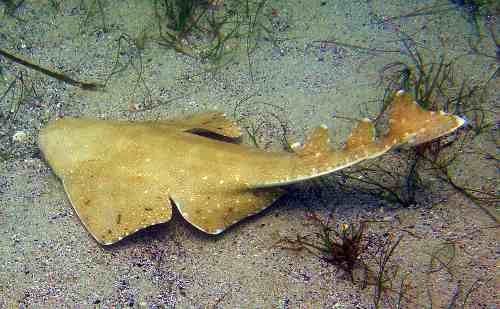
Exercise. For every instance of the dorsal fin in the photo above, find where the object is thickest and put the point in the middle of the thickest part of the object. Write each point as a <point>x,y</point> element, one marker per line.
<point>363,134</point>
<point>316,144</point>
<point>208,122</point>
<point>410,123</point>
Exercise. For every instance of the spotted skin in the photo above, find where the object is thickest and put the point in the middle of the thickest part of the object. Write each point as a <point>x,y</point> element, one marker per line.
<point>124,176</point>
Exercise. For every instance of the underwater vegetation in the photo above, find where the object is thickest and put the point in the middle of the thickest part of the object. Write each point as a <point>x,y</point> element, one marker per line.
<point>94,9</point>
<point>10,6</point>
<point>368,257</point>
<point>209,30</point>
<point>7,116</point>
<point>49,72</point>
<point>341,245</point>
<point>476,10</point>
<point>435,80</point>
<point>21,91</point>
<point>431,84</point>
<point>212,32</point>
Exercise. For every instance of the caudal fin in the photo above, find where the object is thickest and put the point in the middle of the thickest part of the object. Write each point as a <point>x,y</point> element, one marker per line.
<point>409,123</point>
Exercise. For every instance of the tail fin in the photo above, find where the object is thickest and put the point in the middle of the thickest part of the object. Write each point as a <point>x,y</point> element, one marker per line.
<point>410,123</point>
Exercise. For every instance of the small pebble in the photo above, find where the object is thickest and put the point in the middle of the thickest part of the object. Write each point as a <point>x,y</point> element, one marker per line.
<point>20,137</point>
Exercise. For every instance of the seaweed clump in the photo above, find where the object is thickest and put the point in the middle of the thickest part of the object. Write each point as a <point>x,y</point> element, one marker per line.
<point>341,245</point>
<point>435,85</point>
<point>365,258</point>
<point>209,30</point>
<point>370,259</point>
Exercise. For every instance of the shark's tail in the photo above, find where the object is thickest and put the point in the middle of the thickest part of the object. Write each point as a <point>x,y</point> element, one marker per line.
<point>408,124</point>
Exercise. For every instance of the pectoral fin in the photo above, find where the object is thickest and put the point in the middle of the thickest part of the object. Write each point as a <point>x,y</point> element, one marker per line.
<point>214,211</point>
<point>113,202</point>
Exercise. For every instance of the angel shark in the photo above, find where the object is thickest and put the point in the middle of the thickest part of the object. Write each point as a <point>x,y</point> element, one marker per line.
<point>123,176</point>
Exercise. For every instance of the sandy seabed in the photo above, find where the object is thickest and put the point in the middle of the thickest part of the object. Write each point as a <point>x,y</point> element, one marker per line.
<point>47,258</point>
